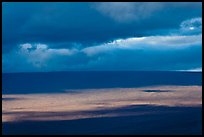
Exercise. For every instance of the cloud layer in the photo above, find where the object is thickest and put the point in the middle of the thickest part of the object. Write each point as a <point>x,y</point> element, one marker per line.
<point>87,23</point>
<point>108,36</point>
<point>147,43</point>
<point>126,11</point>
<point>136,11</point>
<point>168,52</point>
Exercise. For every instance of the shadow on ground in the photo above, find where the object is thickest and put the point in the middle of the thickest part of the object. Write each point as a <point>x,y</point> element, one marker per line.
<point>164,120</point>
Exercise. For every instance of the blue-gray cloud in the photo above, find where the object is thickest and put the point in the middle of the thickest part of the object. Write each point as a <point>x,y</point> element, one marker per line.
<point>191,26</point>
<point>60,37</point>
<point>58,22</point>
<point>168,52</point>
<point>137,11</point>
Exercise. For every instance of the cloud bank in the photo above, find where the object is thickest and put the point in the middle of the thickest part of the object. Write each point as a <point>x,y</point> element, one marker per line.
<point>168,52</point>
<point>87,23</point>
<point>109,36</point>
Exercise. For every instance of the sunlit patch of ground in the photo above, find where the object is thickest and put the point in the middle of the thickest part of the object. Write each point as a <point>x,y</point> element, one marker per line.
<point>75,105</point>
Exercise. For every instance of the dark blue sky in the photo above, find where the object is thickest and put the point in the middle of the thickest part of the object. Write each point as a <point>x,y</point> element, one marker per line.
<point>101,36</point>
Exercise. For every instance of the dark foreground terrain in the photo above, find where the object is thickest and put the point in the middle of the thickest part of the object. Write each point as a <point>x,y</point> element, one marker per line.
<point>161,120</point>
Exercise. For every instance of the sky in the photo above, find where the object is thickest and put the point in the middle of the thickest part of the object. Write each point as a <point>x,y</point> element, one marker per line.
<point>64,36</point>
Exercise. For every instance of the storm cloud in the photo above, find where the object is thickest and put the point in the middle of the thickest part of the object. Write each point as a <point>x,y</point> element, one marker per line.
<point>92,36</point>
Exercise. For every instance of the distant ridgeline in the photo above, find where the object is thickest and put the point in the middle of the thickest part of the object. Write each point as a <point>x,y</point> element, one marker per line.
<point>50,82</point>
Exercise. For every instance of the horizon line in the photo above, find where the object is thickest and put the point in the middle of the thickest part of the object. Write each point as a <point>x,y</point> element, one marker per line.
<point>199,71</point>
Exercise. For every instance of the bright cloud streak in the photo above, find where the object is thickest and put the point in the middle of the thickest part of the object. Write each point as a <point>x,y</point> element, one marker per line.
<point>193,70</point>
<point>152,42</point>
